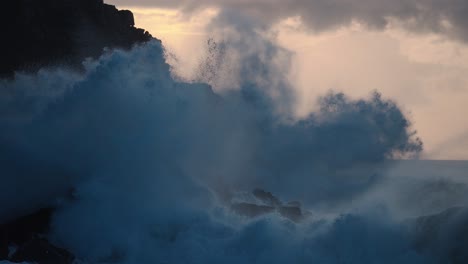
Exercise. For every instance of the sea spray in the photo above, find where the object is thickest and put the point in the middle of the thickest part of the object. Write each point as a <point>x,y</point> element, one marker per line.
<point>142,167</point>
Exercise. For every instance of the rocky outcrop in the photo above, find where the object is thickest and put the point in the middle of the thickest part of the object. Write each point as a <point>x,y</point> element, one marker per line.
<point>444,236</point>
<point>266,203</point>
<point>52,33</point>
<point>61,33</point>
<point>40,250</point>
<point>24,240</point>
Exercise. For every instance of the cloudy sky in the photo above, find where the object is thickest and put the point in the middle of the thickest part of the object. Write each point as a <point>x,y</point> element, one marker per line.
<point>413,51</point>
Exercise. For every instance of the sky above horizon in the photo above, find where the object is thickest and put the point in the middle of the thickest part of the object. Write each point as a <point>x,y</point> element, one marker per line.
<point>414,52</point>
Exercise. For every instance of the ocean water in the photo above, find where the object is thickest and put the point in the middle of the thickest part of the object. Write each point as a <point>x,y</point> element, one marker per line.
<point>144,167</point>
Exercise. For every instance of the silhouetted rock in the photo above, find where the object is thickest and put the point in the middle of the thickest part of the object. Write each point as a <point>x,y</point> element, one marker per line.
<point>27,234</point>
<point>252,210</point>
<point>3,247</point>
<point>267,203</point>
<point>443,235</point>
<point>266,197</point>
<point>54,33</point>
<point>23,229</point>
<point>293,213</point>
<point>61,33</point>
<point>39,250</point>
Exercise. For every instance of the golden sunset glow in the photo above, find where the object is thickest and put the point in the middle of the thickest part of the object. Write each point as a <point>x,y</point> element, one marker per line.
<point>163,22</point>
<point>234,131</point>
<point>415,70</point>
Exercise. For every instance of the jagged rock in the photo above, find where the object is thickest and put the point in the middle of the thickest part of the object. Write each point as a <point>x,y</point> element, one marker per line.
<point>252,210</point>
<point>61,33</point>
<point>443,235</point>
<point>291,212</point>
<point>39,250</point>
<point>27,234</point>
<point>4,251</point>
<point>23,229</point>
<point>266,197</point>
<point>53,33</point>
<point>126,16</point>
<point>268,203</point>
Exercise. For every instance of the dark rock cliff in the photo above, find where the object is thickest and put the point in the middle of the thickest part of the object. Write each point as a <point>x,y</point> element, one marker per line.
<point>24,239</point>
<point>53,33</point>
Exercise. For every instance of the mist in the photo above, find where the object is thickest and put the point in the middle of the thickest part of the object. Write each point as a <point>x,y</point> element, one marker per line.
<point>143,167</point>
<point>418,16</point>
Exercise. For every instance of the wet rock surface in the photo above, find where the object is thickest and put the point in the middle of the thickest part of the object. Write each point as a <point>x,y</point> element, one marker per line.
<point>53,33</point>
<point>24,240</point>
<point>266,203</point>
<point>40,250</point>
<point>443,235</point>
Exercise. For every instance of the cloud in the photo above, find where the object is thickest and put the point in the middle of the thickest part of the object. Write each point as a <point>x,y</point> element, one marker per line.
<point>137,161</point>
<point>428,16</point>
